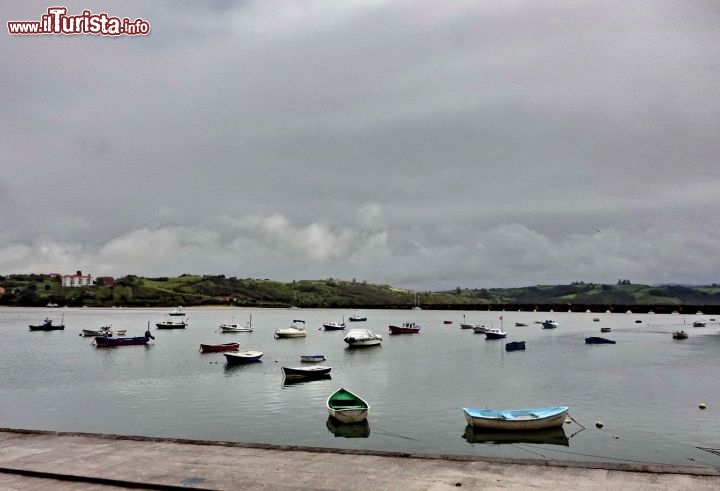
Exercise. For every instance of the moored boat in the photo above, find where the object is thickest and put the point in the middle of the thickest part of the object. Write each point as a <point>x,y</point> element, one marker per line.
<point>549,324</point>
<point>347,407</point>
<point>698,324</point>
<point>47,325</point>
<point>520,324</point>
<point>605,329</point>
<point>515,346</point>
<point>495,333</point>
<point>177,312</point>
<point>214,348</point>
<point>171,324</point>
<point>334,326</point>
<point>680,335</point>
<point>242,357</point>
<point>294,331</point>
<point>232,327</point>
<point>312,358</point>
<point>598,340</point>
<point>362,337</point>
<point>516,419</point>
<point>405,328</point>
<point>357,318</point>
<point>479,329</point>
<point>313,372</point>
<point>103,331</point>
<point>108,342</point>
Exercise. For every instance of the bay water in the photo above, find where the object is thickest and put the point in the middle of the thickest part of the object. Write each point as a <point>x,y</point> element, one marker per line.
<point>645,389</point>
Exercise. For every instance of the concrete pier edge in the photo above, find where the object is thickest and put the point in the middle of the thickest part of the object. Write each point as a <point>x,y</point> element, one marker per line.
<point>648,468</point>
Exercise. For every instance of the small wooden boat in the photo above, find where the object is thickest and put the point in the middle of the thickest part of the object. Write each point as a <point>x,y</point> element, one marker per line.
<point>698,324</point>
<point>215,348</point>
<point>596,319</point>
<point>520,324</point>
<point>447,322</point>
<point>108,342</point>
<point>405,328</point>
<point>598,340</point>
<point>334,326</point>
<point>294,331</point>
<point>232,327</point>
<point>357,318</point>
<point>314,372</point>
<point>515,346</point>
<point>242,357</point>
<point>638,321</point>
<point>47,325</point>
<point>347,407</point>
<point>171,324</point>
<point>516,419</point>
<point>495,334</point>
<point>312,358</point>
<point>680,335</point>
<point>357,338</point>
<point>549,324</point>
<point>605,329</point>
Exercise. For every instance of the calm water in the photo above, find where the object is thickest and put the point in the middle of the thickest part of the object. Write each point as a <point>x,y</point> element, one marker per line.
<point>645,389</point>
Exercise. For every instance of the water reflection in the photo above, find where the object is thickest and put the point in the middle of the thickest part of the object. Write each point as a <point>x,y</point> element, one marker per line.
<point>551,436</point>
<point>348,430</point>
<point>288,381</point>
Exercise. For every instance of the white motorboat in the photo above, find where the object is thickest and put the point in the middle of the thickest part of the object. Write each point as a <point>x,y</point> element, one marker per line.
<point>232,327</point>
<point>294,331</point>
<point>356,338</point>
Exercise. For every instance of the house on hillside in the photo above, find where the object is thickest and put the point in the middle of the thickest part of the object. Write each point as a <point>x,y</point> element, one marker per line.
<point>77,279</point>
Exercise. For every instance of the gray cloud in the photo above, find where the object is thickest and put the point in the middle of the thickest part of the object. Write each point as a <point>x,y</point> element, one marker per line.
<point>400,142</point>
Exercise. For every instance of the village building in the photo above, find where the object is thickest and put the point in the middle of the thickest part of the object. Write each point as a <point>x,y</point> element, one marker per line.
<point>77,279</point>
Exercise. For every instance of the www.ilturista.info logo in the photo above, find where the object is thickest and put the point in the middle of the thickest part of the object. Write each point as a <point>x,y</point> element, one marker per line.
<point>56,21</point>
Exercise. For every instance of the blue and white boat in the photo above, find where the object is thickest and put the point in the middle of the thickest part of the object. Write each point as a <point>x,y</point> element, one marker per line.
<point>516,419</point>
<point>549,324</point>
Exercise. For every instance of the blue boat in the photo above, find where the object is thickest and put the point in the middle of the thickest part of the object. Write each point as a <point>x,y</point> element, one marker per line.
<point>515,346</point>
<point>243,357</point>
<point>516,419</point>
<point>549,324</point>
<point>598,340</point>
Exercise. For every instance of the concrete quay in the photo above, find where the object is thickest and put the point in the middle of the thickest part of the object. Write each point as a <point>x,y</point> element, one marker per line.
<point>42,460</point>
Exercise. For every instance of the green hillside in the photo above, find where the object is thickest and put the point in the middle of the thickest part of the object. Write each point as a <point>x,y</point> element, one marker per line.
<point>136,291</point>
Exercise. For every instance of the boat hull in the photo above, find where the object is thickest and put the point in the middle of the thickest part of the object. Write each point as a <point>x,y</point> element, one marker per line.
<point>284,334</point>
<point>216,348</point>
<point>58,327</point>
<point>162,325</point>
<point>357,319</point>
<point>597,340</point>
<point>107,342</point>
<point>514,419</point>
<point>312,358</point>
<point>334,327</point>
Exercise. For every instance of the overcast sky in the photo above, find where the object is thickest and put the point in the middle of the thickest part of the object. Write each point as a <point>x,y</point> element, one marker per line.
<point>421,144</point>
